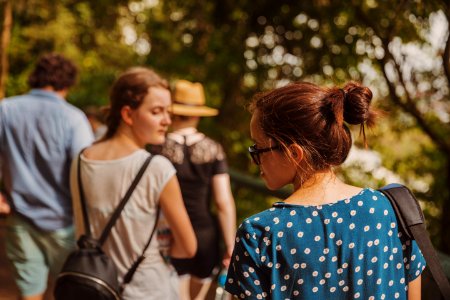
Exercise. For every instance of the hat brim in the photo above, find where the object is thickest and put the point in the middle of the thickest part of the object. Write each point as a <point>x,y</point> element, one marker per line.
<point>193,111</point>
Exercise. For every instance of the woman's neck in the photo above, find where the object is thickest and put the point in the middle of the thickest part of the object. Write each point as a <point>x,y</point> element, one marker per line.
<point>322,188</point>
<point>125,141</point>
<point>120,145</point>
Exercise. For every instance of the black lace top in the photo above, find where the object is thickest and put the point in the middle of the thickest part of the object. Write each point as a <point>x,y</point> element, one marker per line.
<point>196,163</point>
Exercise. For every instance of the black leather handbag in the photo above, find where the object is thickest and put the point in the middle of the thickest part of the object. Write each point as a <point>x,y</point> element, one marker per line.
<point>88,273</point>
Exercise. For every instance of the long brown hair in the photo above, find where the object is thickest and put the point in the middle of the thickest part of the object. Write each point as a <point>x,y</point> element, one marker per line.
<point>130,89</point>
<point>315,118</point>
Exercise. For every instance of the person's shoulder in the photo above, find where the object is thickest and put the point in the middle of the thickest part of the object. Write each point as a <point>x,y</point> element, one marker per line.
<point>369,195</point>
<point>374,204</point>
<point>159,161</point>
<point>14,100</point>
<point>213,146</point>
<point>15,106</point>
<point>73,114</point>
<point>261,215</point>
<point>259,221</point>
<point>15,97</point>
<point>74,110</point>
<point>211,141</point>
<point>171,141</point>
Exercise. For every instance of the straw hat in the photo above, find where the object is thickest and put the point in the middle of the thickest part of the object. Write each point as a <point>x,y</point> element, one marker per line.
<point>189,100</point>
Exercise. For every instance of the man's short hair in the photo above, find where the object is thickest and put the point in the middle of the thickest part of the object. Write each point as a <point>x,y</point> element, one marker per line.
<point>53,70</point>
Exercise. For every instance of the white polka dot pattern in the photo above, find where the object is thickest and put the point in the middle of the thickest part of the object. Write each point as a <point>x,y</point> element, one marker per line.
<point>349,249</point>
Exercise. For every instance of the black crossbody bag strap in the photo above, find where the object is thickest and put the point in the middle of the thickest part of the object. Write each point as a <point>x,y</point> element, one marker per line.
<point>87,226</point>
<point>119,208</point>
<point>412,222</point>
<point>129,275</point>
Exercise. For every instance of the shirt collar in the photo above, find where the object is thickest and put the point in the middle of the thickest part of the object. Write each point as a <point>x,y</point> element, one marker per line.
<point>186,131</point>
<point>191,135</point>
<point>47,94</point>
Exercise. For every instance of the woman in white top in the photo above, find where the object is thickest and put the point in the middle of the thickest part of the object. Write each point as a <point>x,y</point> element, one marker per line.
<point>138,115</point>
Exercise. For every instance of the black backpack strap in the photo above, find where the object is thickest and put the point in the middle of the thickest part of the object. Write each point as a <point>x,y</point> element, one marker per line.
<point>412,222</point>
<point>124,201</point>
<point>87,227</point>
<point>129,275</point>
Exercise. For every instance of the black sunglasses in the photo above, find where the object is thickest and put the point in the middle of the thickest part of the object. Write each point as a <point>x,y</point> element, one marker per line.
<point>255,152</point>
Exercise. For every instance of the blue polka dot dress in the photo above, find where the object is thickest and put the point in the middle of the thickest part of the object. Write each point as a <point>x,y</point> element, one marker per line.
<point>349,249</point>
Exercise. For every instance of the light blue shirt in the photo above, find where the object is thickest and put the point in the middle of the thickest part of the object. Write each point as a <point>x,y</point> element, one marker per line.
<point>40,134</point>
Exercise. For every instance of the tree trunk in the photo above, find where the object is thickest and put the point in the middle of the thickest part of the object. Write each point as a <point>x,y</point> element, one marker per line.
<point>5,39</point>
<point>445,219</point>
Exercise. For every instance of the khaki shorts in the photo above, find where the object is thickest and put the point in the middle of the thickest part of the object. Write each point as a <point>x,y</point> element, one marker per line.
<point>35,254</point>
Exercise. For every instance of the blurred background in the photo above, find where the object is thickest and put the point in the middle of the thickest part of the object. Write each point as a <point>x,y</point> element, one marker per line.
<point>400,49</point>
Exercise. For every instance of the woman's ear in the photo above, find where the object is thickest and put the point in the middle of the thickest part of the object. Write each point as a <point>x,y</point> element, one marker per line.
<point>125,113</point>
<point>296,152</point>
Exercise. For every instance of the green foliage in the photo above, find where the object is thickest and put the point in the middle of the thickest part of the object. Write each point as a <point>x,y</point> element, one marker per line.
<point>67,27</point>
<point>239,48</point>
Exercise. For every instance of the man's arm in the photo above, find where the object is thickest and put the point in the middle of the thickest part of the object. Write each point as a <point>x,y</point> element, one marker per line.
<point>226,213</point>
<point>4,206</point>
<point>82,136</point>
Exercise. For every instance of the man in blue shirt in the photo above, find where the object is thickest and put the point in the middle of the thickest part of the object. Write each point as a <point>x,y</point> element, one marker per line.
<point>40,134</point>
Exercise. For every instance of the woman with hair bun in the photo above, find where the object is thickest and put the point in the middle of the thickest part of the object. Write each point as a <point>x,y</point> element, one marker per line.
<point>328,240</point>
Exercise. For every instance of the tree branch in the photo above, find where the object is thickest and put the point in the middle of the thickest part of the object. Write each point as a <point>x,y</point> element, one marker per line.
<point>411,108</point>
<point>408,105</point>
